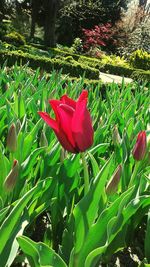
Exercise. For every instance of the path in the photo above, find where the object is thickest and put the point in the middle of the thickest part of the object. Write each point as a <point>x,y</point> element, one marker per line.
<point>109,78</point>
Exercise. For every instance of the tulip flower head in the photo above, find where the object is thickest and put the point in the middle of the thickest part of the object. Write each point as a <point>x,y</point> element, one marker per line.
<point>139,149</point>
<point>72,124</point>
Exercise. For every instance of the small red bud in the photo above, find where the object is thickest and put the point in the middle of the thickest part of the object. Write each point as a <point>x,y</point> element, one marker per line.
<point>139,149</point>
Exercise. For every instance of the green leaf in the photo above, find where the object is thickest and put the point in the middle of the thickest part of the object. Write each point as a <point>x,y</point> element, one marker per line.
<point>147,238</point>
<point>29,139</point>
<point>39,254</point>
<point>94,164</point>
<point>93,240</point>
<point>28,164</point>
<point>86,210</point>
<point>11,248</point>
<point>11,220</point>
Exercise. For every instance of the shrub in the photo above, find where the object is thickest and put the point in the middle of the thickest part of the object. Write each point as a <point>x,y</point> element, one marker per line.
<point>5,28</point>
<point>15,38</point>
<point>73,68</point>
<point>141,76</point>
<point>109,64</point>
<point>77,46</point>
<point>100,35</point>
<point>140,59</point>
<point>78,15</point>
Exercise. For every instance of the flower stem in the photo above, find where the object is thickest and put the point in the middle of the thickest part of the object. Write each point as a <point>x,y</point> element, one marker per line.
<point>86,173</point>
<point>134,174</point>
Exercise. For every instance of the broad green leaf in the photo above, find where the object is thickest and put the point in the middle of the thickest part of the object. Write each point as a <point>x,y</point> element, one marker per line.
<point>10,221</point>
<point>39,254</point>
<point>93,240</point>
<point>29,163</point>
<point>29,139</point>
<point>11,248</point>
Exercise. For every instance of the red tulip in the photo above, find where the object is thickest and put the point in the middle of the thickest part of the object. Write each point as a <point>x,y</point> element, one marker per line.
<point>139,149</point>
<point>72,126</point>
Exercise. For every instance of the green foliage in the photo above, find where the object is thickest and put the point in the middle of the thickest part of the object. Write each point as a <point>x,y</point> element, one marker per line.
<point>74,69</point>
<point>140,59</point>
<point>77,15</point>
<point>15,38</point>
<point>5,28</point>
<point>39,254</point>
<point>69,62</point>
<point>141,75</point>
<point>77,46</point>
<point>78,230</point>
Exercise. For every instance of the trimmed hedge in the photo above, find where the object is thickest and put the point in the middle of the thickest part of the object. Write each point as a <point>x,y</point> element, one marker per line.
<point>141,75</point>
<point>73,64</point>
<point>74,69</point>
<point>109,68</point>
<point>140,59</point>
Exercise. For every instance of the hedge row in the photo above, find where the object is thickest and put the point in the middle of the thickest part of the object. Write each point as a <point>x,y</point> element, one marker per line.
<point>127,71</point>
<point>72,64</point>
<point>141,75</point>
<point>140,59</point>
<point>74,69</point>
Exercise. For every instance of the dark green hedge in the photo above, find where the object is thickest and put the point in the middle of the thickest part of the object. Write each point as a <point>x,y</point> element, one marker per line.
<point>141,75</point>
<point>109,68</point>
<point>74,69</point>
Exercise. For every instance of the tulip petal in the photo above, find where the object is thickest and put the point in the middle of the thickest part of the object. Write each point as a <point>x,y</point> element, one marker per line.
<point>82,126</point>
<point>52,123</point>
<point>65,114</point>
<point>54,104</point>
<point>83,96</point>
<point>69,101</point>
<point>62,138</point>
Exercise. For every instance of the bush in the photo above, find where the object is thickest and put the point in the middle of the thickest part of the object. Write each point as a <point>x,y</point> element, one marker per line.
<point>140,60</point>
<point>113,65</point>
<point>100,35</point>
<point>15,38</point>
<point>141,76</point>
<point>76,16</point>
<point>5,28</point>
<point>74,68</point>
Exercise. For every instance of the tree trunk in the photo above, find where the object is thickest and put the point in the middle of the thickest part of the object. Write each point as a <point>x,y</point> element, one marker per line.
<point>34,15</point>
<point>51,8</point>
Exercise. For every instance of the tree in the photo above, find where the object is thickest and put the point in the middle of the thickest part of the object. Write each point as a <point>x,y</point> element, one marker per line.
<point>36,4</point>
<point>50,8</point>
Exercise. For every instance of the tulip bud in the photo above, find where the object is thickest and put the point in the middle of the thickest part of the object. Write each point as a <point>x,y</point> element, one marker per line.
<point>11,178</point>
<point>139,149</point>
<point>116,136</point>
<point>12,138</point>
<point>43,140</point>
<point>114,181</point>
